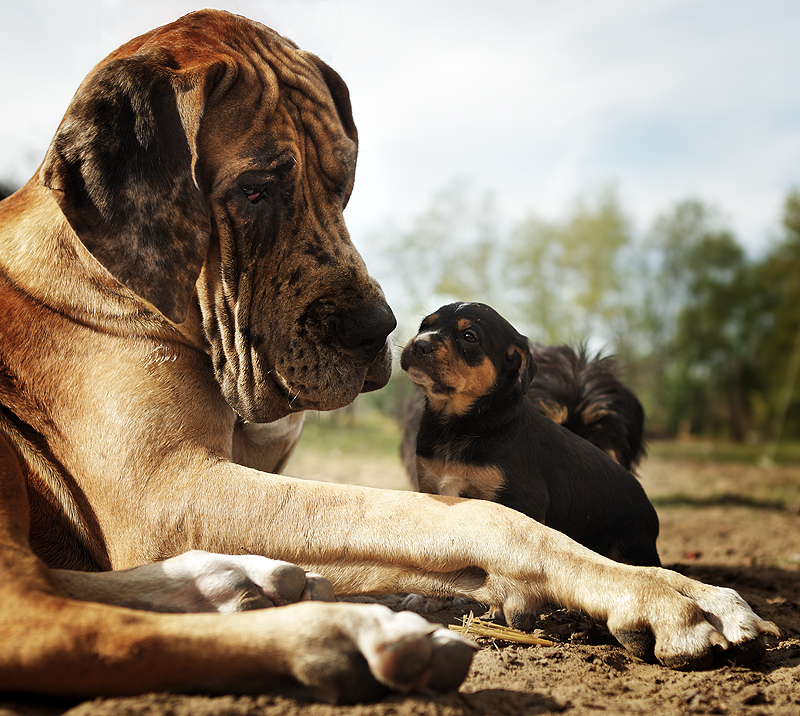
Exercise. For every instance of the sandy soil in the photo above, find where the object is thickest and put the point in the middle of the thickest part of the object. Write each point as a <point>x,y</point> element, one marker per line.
<point>720,523</point>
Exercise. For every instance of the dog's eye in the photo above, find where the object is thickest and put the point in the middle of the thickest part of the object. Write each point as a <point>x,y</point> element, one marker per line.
<point>254,193</point>
<point>469,337</point>
<point>464,495</point>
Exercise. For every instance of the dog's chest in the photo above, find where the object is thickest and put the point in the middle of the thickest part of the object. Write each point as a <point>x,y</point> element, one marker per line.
<point>456,464</point>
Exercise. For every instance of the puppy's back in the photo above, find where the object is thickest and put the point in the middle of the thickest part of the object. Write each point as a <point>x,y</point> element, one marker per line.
<point>591,498</point>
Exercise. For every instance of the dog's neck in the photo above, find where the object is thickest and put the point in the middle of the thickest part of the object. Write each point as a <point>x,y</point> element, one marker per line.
<point>487,415</point>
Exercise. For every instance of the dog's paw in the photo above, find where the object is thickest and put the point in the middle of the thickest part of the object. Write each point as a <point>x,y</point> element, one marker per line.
<point>202,581</point>
<point>421,603</point>
<point>361,652</point>
<point>691,625</point>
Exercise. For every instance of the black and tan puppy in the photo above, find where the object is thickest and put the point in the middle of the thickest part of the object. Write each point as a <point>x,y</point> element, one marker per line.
<point>582,392</point>
<point>480,437</point>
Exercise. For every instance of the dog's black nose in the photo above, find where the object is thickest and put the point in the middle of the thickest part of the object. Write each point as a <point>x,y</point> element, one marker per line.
<point>365,329</point>
<point>421,346</point>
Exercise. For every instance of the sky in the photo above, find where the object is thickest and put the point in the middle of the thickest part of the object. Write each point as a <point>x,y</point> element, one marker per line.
<point>535,101</point>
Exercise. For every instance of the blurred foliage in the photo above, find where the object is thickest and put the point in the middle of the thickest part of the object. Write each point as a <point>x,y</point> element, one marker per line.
<point>449,250</point>
<point>570,276</point>
<point>708,336</point>
<point>358,429</point>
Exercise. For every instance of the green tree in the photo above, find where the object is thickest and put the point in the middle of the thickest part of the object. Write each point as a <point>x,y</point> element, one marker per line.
<point>778,285</point>
<point>709,339</point>
<point>535,282</point>
<point>569,278</point>
<point>708,319</point>
<point>711,350</point>
<point>451,251</point>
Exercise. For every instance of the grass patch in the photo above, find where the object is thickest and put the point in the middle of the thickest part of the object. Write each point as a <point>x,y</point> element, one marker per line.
<point>368,434</point>
<point>787,453</point>
<point>681,499</point>
<point>361,430</point>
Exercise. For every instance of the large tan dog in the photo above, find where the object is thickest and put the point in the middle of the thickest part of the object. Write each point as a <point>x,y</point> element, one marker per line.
<point>177,284</point>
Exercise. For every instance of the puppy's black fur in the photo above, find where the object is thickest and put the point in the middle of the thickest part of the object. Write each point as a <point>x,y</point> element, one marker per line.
<point>581,392</point>
<point>479,436</point>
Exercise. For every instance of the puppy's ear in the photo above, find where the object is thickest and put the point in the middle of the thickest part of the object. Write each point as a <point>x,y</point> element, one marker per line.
<point>519,352</point>
<point>122,168</point>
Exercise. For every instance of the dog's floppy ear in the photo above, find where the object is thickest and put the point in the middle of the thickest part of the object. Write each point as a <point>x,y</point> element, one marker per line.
<point>341,100</point>
<point>121,167</point>
<point>520,353</point>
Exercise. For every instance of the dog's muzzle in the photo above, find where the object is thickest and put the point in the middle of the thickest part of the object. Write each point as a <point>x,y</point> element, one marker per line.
<point>364,332</point>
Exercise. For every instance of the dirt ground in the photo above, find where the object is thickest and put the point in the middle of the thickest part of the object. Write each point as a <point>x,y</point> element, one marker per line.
<point>722,524</point>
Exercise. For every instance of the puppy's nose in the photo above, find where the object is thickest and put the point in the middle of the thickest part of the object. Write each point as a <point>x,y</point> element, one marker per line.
<point>366,330</point>
<point>421,346</point>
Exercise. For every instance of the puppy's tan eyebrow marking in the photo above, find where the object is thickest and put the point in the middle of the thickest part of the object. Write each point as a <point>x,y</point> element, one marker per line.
<point>463,324</point>
<point>428,320</point>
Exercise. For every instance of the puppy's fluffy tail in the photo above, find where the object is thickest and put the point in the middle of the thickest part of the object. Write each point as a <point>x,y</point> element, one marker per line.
<point>585,394</point>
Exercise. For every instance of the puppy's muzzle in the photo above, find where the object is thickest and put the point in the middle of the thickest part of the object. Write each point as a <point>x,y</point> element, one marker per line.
<point>420,352</point>
<point>422,346</point>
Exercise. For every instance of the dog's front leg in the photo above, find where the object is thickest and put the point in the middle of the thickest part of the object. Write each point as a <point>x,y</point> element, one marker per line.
<point>52,644</point>
<point>198,581</point>
<point>376,541</point>
<point>333,652</point>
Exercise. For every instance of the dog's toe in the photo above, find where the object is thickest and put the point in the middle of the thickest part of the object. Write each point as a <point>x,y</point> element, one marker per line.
<point>283,583</point>
<point>408,653</point>
<point>200,581</point>
<point>450,661</point>
<point>640,644</point>
<point>317,589</point>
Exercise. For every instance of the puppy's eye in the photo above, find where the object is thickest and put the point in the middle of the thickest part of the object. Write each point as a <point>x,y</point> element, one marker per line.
<point>464,495</point>
<point>469,337</point>
<point>254,192</point>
